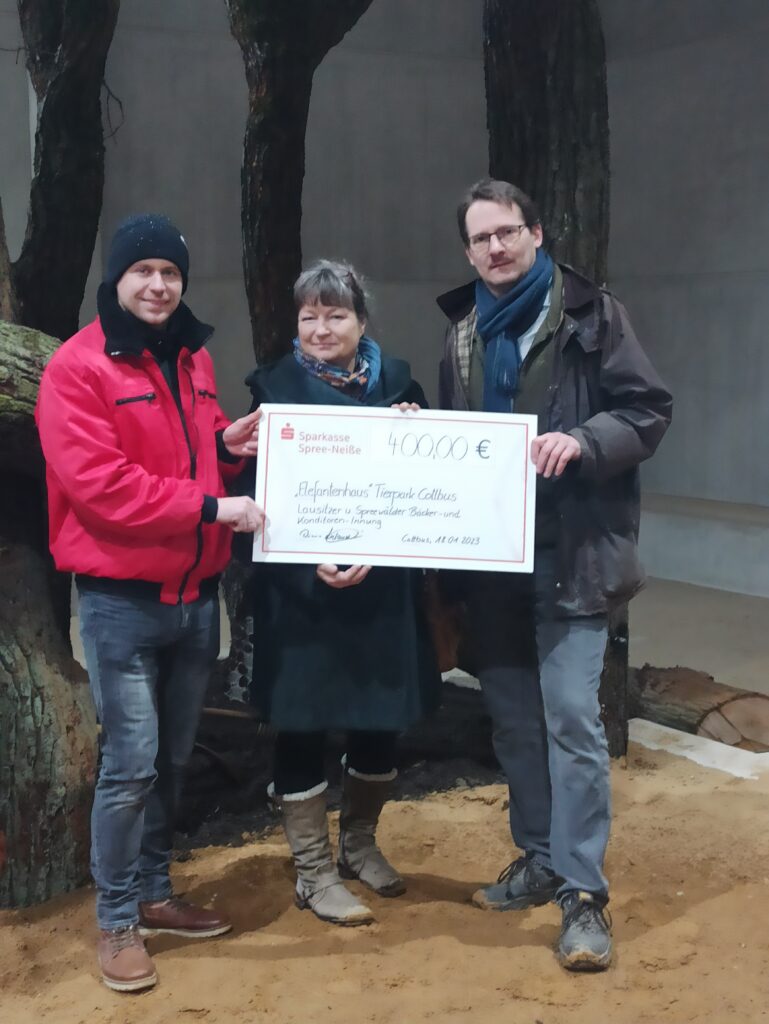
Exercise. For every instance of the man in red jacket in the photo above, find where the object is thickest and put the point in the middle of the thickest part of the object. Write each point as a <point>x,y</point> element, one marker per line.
<point>137,453</point>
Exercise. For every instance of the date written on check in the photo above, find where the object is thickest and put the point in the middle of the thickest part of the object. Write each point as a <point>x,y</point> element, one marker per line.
<point>433,489</point>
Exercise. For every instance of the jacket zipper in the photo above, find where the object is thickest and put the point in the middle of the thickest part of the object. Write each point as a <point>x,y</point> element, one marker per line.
<point>193,470</point>
<point>149,397</point>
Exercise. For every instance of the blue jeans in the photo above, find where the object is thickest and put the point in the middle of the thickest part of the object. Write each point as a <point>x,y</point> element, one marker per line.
<point>149,666</point>
<point>540,677</point>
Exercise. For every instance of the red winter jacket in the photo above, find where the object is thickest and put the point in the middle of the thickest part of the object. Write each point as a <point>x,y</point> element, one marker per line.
<point>125,487</point>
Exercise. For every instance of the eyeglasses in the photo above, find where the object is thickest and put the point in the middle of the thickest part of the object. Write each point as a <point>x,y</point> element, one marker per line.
<point>479,244</point>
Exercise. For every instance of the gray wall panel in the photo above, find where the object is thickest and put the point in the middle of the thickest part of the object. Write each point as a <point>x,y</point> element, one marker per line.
<point>179,149</point>
<point>643,26</point>
<point>688,81</point>
<point>15,151</point>
<point>396,132</point>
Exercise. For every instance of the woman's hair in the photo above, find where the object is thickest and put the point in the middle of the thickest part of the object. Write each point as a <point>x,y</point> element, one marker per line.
<point>331,283</point>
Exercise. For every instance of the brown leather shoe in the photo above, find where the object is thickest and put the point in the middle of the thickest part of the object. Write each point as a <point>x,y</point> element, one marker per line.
<point>124,962</point>
<point>177,917</point>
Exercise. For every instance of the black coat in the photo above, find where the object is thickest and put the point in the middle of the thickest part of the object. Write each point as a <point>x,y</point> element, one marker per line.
<point>357,658</point>
<point>605,393</point>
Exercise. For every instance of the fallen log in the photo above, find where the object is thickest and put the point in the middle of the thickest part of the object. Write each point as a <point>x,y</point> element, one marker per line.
<point>694,702</point>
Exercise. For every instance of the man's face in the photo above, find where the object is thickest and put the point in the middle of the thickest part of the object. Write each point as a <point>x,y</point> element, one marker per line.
<point>500,262</point>
<point>151,290</point>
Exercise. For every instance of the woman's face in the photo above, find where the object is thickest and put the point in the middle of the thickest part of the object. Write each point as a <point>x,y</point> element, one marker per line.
<point>330,333</point>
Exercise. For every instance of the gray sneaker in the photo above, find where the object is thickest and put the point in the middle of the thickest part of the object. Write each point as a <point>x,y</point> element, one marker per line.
<point>524,883</point>
<point>585,940</point>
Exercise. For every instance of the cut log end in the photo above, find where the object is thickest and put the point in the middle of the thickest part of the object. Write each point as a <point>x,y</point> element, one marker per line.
<point>741,722</point>
<point>694,702</point>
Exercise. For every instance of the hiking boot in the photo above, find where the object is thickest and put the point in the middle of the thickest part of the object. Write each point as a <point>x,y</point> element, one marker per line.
<point>359,855</point>
<point>585,941</point>
<point>524,883</point>
<point>318,885</point>
<point>124,962</point>
<point>176,917</point>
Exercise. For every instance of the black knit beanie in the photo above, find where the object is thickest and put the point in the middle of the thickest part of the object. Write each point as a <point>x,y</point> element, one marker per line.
<point>146,236</point>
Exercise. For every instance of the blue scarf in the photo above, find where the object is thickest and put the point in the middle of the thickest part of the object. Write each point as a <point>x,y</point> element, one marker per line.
<point>501,322</point>
<point>358,382</point>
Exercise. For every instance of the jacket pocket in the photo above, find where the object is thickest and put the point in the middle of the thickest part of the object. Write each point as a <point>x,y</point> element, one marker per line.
<point>150,396</point>
<point>621,572</point>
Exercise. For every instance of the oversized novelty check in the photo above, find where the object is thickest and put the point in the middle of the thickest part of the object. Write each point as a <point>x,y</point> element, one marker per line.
<point>447,490</point>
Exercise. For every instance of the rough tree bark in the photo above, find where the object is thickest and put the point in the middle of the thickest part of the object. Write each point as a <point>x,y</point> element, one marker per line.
<point>47,727</point>
<point>282,45</point>
<point>66,48</point>
<point>548,118</point>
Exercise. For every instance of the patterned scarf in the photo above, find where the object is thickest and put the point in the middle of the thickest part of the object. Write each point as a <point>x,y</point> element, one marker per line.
<point>501,322</point>
<point>358,382</point>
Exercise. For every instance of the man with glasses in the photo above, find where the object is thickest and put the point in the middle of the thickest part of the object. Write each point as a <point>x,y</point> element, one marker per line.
<point>532,336</point>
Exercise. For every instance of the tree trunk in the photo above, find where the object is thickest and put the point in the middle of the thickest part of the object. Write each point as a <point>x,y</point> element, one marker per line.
<point>66,50</point>
<point>548,118</point>
<point>47,726</point>
<point>282,45</point>
<point>612,695</point>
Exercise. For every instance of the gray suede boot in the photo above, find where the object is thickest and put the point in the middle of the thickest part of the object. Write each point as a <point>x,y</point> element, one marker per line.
<point>363,797</point>
<point>318,885</point>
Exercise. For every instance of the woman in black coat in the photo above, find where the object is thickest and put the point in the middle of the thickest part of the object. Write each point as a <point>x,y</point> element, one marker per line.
<point>344,648</point>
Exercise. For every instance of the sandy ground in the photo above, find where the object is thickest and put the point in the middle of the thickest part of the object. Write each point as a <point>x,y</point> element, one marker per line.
<point>689,862</point>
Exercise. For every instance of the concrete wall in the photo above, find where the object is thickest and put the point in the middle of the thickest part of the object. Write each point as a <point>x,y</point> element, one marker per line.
<point>398,130</point>
<point>688,81</point>
<point>179,75</point>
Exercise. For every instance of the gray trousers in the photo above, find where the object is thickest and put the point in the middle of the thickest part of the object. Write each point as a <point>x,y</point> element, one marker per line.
<point>540,677</point>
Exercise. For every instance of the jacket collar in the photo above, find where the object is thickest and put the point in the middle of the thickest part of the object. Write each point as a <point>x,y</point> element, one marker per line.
<point>275,381</point>
<point>578,291</point>
<point>125,334</point>
<point>457,303</point>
